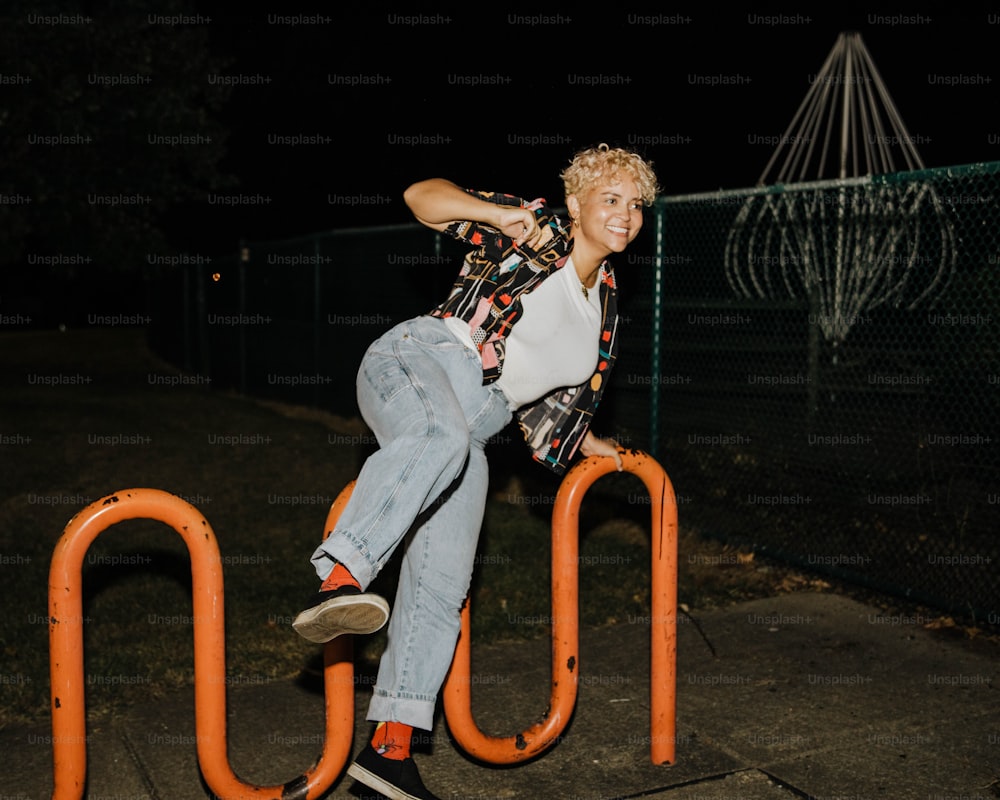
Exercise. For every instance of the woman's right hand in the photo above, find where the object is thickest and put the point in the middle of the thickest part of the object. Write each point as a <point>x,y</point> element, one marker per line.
<point>520,225</point>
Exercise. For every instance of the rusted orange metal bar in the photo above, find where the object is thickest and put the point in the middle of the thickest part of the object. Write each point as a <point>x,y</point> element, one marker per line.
<point>66,656</point>
<point>337,508</point>
<point>457,696</point>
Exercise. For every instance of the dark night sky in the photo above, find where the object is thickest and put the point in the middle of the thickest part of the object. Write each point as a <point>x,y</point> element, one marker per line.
<point>333,114</point>
<point>415,116</point>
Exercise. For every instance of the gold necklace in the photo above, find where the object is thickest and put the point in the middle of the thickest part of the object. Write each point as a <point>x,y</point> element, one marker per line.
<point>586,293</point>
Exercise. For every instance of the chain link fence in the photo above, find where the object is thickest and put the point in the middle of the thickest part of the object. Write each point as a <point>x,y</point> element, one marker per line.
<point>816,366</point>
<point>828,378</point>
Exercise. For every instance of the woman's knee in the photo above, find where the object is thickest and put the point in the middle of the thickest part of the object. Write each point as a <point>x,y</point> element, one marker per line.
<point>451,439</point>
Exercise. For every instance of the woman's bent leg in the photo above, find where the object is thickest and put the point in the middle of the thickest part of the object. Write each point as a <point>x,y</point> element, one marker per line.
<point>409,392</point>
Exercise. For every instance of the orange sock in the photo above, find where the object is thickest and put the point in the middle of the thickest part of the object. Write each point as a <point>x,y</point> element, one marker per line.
<point>340,576</point>
<point>392,740</point>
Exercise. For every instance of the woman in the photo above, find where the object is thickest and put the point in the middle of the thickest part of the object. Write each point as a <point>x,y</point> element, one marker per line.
<point>529,328</point>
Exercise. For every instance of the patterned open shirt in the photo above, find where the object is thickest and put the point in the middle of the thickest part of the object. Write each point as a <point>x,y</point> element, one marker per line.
<point>487,295</point>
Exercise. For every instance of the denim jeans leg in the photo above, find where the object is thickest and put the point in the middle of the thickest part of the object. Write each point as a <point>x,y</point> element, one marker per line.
<point>408,397</point>
<point>420,391</point>
<point>434,579</point>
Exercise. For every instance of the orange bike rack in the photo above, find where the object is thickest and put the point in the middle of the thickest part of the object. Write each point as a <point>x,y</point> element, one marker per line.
<point>69,723</point>
<point>565,624</point>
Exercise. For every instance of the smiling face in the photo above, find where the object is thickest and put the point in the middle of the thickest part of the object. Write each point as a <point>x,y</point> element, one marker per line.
<point>607,218</point>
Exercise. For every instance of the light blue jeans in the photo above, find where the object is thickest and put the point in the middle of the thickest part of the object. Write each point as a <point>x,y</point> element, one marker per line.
<point>420,391</point>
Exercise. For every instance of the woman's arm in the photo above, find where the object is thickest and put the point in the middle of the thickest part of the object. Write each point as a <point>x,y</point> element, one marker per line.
<point>438,203</point>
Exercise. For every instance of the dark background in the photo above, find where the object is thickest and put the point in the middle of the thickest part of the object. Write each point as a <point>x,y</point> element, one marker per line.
<point>414,114</point>
<point>700,137</point>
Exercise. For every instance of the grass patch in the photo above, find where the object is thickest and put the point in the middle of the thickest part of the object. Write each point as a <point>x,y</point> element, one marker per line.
<point>92,412</point>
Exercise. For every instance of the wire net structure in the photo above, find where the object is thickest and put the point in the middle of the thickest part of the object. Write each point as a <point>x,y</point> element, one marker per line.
<point>847,112</point>
<point>846,251</point>
<point>863,245</point>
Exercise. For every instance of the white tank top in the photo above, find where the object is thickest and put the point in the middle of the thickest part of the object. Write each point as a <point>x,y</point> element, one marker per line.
<point>555,342</point>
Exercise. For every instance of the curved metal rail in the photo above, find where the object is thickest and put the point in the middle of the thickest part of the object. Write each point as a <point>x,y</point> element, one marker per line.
<point>565,624</point>
<point>69,724</point>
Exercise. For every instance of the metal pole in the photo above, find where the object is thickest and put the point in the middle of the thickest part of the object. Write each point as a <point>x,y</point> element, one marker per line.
<point>317,323</point>
<point>656,333</point>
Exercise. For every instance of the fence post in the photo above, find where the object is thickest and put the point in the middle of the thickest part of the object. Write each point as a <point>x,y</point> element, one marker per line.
<point>656,332</point>
<point>317,313</point>
<point>242,302</point>
<point>565,624</point>
<point>69,724</point>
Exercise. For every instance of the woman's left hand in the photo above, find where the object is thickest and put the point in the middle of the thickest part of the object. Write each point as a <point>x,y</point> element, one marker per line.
<point>593,446</point>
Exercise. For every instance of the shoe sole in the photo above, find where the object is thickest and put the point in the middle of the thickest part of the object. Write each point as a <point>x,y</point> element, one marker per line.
<point>373,781</point>
<point>357,614</point>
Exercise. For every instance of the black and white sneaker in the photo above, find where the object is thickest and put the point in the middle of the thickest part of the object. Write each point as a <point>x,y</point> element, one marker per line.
<point>397,780</point>
<point>339,611</point>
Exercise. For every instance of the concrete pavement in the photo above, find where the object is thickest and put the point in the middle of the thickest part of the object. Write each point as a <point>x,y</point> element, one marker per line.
<point>804,695</point>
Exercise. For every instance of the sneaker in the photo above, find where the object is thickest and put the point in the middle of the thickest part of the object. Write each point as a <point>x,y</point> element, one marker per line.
<point>397,780</point>
<point>343,610</point>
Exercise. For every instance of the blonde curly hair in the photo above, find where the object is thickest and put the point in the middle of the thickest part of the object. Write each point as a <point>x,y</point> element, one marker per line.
<point>602,163</point>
